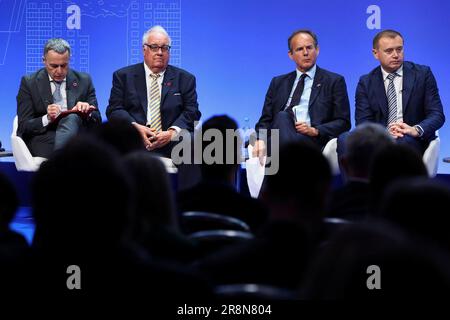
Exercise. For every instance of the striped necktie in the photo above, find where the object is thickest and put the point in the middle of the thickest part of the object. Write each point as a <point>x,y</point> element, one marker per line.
<point>392,99</point>
<point>154,113</point>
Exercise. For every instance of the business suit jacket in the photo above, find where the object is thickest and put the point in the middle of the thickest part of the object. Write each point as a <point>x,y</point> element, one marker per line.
<point>33,98</point>
<point>128,99</point>
<point>421,102</point>
<point>329,108</point>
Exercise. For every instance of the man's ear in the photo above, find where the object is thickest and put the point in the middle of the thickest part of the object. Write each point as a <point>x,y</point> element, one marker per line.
<point>375,54</point>
<point>290,55</point>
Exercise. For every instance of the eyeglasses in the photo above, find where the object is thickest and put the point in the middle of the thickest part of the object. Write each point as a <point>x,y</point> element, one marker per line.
<point>155,47</point>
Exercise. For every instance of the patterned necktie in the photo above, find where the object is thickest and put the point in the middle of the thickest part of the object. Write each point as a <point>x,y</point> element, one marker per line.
<point>57,96</point>
<point>392,99</point>
<point>154,113</point>
<point>295,101</point>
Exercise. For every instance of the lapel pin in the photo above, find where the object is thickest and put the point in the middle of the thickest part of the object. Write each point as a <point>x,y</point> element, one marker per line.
<point>75,84</point>
<point>168,84</point>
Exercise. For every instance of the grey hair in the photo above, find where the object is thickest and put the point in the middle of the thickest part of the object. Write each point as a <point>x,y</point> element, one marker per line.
<point>155,29</point>
<point>363,142</point>
<point>58,45</point>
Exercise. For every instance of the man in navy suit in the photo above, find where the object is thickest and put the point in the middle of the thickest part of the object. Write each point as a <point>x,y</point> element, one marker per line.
<point>44,94</point>
<point>400,95</point>
<point>159,99</point>
<point>308,104</point>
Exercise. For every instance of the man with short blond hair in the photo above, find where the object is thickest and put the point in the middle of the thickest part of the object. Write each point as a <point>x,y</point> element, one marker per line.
<point>400,95</point>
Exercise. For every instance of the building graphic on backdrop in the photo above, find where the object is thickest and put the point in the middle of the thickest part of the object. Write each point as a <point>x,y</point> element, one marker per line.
<point>63,18</point>
<point>143,15</point>
<point>46,20</point>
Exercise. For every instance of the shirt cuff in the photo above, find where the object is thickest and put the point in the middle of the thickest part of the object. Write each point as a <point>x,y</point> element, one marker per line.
<point>419,130</point>
<point>177,129</point>
<point>45,121</point>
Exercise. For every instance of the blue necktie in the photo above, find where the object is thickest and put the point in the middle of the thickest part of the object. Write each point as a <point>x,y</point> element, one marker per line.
<point>57,96</point>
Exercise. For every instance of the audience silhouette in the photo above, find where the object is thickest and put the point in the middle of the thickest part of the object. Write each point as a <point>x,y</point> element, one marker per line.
<point>107,207</point>
<point>83,219</point>
<point>155,224</point>
<point>216,192</point>
<point>295,197</point>
<point>351,201</point>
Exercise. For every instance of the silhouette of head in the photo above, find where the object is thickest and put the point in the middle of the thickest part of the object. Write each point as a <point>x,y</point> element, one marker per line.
<point>154,200</point>
<point>81,196</point>
<point>224,149</point>
<point>360,147</point>
<point>302,182</point>
<point>121,135</point>
<point>390,164</point>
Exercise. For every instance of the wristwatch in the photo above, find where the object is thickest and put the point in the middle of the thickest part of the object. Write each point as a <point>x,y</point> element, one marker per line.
<point>419,130</point>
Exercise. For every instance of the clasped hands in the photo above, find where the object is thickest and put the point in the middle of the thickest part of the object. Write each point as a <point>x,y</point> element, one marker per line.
<point>400,129</point>
<point>53,110</point>
<point>153,139</point>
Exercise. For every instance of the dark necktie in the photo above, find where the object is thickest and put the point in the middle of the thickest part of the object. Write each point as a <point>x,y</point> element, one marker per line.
<point>298,91</point>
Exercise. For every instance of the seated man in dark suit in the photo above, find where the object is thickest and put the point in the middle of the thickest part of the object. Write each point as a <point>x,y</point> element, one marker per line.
<point>159,99</point>
<point>45,94</point>
<point>402,96</point>
<point>308,104</point>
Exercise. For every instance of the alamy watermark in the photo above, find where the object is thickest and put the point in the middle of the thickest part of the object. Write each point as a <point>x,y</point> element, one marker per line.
<point>374,280</point>
<point>73,281</point>
<point>214,147</point>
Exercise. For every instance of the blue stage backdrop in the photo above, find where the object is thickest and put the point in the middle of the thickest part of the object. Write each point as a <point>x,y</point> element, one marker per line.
<point>233,47</point>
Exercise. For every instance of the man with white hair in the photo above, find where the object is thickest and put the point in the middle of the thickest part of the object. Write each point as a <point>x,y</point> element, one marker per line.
<point>158,99</point>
